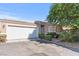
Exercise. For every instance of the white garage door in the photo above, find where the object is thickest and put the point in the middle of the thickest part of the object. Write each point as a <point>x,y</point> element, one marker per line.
<point>19,33</point>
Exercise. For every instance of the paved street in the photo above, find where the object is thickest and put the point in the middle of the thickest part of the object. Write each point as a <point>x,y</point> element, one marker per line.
<point>33,48</point>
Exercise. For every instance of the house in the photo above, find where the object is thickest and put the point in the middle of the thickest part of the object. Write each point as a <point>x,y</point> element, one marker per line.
<point>21,30</point>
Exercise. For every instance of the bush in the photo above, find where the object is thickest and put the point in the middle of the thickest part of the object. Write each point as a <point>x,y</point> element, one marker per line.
<point>63,36</point>
<point>49,33</point>
<point>54,35</point>
<point>76,38</point>
<point>41,35</point>
<point>2,37</point>
<point>69,36</point>
<point>48,37</point>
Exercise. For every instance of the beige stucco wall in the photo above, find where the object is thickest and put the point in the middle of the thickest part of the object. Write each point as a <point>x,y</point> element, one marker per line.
<point>6,23</point>
<point>2,27</point>
<point>46,28</point>
<point>51,28</point>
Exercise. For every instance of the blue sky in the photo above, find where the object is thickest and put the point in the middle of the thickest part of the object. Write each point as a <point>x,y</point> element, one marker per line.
<point>28,11</point>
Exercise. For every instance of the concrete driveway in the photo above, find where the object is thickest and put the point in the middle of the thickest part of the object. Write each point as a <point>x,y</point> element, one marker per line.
<point>33,48</point>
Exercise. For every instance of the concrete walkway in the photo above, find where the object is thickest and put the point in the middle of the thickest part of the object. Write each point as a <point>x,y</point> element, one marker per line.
<point>33,48</point>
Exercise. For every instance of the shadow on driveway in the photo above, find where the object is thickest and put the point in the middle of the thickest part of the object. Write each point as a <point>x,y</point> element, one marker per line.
<point>71,47</point>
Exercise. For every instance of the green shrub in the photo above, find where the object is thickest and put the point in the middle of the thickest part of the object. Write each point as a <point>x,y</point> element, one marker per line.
<point>2,37</point>
<point>48,37</point>
<point>76,36</point>
<point>49,33</point>
<point>41,35</point>
<point>69,36</point>
<point>63,36</point>
<point>54,34</point>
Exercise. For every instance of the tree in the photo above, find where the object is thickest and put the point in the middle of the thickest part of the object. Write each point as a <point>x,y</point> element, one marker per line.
<point>65,14</point>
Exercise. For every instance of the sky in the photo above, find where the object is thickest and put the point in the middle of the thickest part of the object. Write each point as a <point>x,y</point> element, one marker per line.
<point>27,11</point>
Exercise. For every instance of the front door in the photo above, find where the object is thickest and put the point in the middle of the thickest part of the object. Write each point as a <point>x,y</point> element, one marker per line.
<point>42,28</point>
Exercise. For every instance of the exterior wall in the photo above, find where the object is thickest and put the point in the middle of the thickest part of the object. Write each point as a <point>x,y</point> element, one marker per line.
<point>18,22</point>
<point>48,28</point>
<point>2,27</point>
<point>22,27</point>
<point>45,28</point>
<point>51,29</point>
<point>59,28</point>
<point>54,28</point>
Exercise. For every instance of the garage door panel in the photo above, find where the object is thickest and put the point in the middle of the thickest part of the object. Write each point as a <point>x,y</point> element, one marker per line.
<point>17,32</point>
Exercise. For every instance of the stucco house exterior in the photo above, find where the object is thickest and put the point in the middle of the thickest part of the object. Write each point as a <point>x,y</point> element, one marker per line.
<point>22,30</point>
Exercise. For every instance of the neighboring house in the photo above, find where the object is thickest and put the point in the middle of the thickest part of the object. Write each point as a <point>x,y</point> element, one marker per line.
<point>21,30</point>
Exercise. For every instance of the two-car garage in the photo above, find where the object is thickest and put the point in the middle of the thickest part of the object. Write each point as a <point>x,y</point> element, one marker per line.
<point>18,30</point>
<point>20,33</point>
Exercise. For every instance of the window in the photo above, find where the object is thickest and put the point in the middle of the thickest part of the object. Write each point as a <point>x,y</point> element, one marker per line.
<point>51,29</point>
